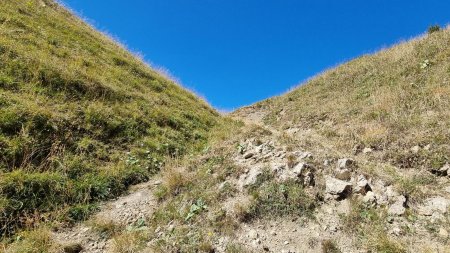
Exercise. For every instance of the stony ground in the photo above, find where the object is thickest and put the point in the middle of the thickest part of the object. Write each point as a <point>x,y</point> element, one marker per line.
<point>338,180</point>
<point>427,231</point>
<point>125,211</point>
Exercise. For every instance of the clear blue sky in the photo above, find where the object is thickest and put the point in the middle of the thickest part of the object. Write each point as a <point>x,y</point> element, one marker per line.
<point>237,52</point>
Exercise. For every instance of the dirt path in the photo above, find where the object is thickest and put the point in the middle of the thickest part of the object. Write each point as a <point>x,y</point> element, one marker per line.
<point>127,210</point>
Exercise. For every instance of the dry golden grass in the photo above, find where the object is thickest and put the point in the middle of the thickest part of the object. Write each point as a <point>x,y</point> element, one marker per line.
<point>129,242</point>
<point>34,241</point>
<point>174,179</point>
<point>105,228</point>
<point>384,243</point>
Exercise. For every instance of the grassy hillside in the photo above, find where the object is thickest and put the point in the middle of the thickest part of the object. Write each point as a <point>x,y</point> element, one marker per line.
<point>80,117</point>
<point>389,101</point>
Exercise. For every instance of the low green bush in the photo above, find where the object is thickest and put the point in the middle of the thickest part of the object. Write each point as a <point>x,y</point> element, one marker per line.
<point>434,28</point>
<point>281,199</point>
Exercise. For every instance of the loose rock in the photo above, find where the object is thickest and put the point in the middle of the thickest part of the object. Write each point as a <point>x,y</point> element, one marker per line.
<point>445,170</point>
<point>398,208</point>
<point>250,178</point>
<point>252,234</point>
<point>367,150</point>
<point>338,188</point>
<point>248,155</point>
<point>344,168</point>
<point>415,149</point>
<point>434,205</point>
<point>304,173</point>
<point>362,185</point>
<point>346,163</point>
<point>447,189</point>
<point>443,233</point>
<point>370,199</point>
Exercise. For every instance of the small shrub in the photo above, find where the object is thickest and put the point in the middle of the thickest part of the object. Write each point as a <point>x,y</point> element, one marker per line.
<point>12,119</point>
<point>106,229</point>
<point>80,212</point>
<point>129,242</point>
<point>76,166</point>
<point>7,82</point>
<point>291,161</point>
<point>119,61</point>
<point>224,224</point>
<point>383,244</point>
<point>329,246</point>
<point>281,199</point>
<point>175,181</point>
<point>227,190</point>
<point>206,247</point>
<point>161,192</point>
<point>433,29</point>
<point>359,216</point>
<point>236,248</point>
<point>241,211</point>
<point>410,187</point>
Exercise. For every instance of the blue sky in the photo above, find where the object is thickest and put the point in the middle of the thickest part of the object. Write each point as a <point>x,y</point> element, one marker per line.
<point>237,52</point>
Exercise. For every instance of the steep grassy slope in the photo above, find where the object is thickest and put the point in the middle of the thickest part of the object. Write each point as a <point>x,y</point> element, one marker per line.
<point>390,101</point>
<point>80,117</point>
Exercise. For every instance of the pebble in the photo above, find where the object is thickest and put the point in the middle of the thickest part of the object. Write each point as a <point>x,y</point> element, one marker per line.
<point>248,155</point>
<point>252,234</point>
<point>443,233</point>
<point>333,228</point>
<point>367,150</point>
<point>447,189</point>
<point>396,231</point>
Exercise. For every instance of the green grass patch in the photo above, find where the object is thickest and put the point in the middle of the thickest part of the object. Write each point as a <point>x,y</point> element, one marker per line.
<point>280,199</point>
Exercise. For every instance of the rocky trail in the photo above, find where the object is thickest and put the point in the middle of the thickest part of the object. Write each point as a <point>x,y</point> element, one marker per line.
<point>126,211</point>
<point>281,234</point>
<point>337,180</point>
<point>342,182</point>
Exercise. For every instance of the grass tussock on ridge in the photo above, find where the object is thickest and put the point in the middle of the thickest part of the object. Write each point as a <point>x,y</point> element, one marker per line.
<point>389,101</point>
<point>80,117</point>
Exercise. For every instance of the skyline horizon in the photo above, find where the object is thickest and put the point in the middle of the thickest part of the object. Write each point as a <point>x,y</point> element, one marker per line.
<point>214,85</point>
